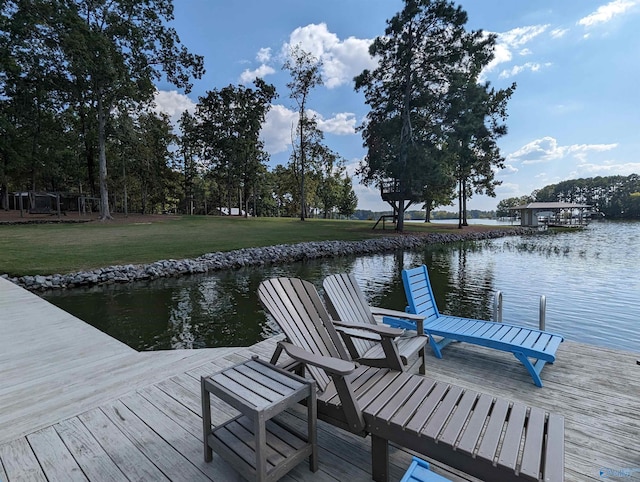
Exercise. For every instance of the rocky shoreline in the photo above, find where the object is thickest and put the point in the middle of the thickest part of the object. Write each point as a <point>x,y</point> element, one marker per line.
<point>284,253</point>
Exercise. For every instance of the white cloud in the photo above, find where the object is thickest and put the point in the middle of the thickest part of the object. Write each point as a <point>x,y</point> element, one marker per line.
<point>173,103</point>
<point>250,75</point>
<point>264,55</point>
<point>508,169</point>
<point>606,12</point>
<point>609,168</point>
<point>280,122</point>
<point>341,124</point>
<point>517,37</point>
<point>342,59</point>
<point>276,131</point>
<point>507,190</point>
<point>558,32</point>
<point>513,40</point>
<point>501,55</point>
<point>547,149</point>
<point>517,69</point>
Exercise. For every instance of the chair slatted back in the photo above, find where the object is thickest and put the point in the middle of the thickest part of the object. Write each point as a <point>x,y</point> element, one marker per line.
<point>417,289</point>
<point>297,308</point>
<point>345,302</point>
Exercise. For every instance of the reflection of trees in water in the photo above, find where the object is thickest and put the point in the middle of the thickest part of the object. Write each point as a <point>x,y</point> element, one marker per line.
<point>460,288</point>
<point>222,308</point>
<point>470,293</point>
<point>218,310</point>
<point>180,321</point>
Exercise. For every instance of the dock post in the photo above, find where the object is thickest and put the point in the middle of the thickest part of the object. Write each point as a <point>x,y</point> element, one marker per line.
<point>497,307</point>
<point>543,311</point>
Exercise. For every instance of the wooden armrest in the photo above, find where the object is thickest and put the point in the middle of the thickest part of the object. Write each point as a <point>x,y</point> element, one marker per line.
<point>363,335</point>
<point>331,365</point>
<point>395,313</point>
<point>385,331</point>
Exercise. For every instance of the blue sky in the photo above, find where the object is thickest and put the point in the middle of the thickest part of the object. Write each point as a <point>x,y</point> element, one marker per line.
<point>575,112</point>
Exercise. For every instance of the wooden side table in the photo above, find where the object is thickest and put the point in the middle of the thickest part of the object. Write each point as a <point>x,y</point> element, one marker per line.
<point>255,444</point>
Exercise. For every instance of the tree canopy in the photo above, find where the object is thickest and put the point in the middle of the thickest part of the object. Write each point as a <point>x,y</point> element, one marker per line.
<point>77,83</point>
<point>615,197</point>
<point>76,64</point>
<point>420,131</point>
<point>305,75</point>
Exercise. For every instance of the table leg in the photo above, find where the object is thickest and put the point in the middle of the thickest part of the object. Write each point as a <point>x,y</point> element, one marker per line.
<point>312,431</point>
<point>206,420</point>
<point>261,446</point>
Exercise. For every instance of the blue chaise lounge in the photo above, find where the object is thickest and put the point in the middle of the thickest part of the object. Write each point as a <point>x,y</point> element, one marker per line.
<point>534,348</point>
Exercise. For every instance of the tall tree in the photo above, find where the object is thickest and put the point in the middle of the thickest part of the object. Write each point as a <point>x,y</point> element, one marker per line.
<point>118,48</point>
<point>424,46</point>
<point>230,120</point>
<point>347,201</point>
<point>305,75</point>
<point>190,152</point>
<point>330,173</point>
<point>153,165</point>
<point>473,123</point>
<point>320,163</point>
<point>30,92</point>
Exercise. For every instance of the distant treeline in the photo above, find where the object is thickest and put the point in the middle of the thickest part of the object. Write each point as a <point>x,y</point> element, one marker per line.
<point>365,214</point>
<point>617,197</point>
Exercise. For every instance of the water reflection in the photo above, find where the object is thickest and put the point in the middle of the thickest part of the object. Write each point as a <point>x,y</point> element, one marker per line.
<point>590,280</point>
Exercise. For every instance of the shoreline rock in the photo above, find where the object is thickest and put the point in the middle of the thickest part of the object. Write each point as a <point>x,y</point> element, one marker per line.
<point>283,253</point>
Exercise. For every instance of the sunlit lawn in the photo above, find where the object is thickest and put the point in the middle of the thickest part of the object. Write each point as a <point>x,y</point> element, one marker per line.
<point>65,248</point>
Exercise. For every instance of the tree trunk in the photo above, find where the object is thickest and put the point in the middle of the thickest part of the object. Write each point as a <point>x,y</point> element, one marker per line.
<point>464,204</point>
<point>124,180</point>
<point>4,188</point>
<point>459,204</point>
<point>88,151</point>
<point>302,159</point>
<point>400,221</point>
<point>102,158</point>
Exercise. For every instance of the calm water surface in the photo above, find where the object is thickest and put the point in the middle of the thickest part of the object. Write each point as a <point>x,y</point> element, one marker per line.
<point>590,279</point>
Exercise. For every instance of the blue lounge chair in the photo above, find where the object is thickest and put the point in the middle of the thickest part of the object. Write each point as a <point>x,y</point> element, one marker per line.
<point>526,344</point>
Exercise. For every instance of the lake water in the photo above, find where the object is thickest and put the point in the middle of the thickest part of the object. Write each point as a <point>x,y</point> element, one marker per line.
<point>590,279</point>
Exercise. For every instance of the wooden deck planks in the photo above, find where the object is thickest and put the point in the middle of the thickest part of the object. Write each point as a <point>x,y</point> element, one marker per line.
<point>153,414</point>
<point>19,461</point>
<point>141,418</point>
<point>87,452</point>
<point>130,460</point>
<point>54,458</point>
<point>54,366</point>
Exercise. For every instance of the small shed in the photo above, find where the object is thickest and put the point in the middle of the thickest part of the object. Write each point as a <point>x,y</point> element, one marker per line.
<point>553,214</point>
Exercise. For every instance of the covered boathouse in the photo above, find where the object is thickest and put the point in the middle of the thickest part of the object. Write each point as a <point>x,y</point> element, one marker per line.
<point>553,214</point>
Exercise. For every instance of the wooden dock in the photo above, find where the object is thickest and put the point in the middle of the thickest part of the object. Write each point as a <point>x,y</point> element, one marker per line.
<point>77,405</point>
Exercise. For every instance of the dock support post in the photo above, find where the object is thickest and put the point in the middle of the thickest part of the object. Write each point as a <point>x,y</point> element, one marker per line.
<point>543,311</point>
<point>497,307</point>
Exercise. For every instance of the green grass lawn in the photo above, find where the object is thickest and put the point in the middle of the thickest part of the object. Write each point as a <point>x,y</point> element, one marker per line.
<point>64,248</point>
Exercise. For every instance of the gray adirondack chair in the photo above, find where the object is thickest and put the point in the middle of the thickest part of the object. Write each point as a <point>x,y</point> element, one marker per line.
<point>484,436</point>
<point>346,302</point>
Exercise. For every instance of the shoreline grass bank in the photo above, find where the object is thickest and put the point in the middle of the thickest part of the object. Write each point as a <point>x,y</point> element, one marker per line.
<point>45,249</point>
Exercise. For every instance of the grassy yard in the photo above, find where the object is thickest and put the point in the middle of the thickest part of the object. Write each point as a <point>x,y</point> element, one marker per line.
<point>63,248</point>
